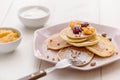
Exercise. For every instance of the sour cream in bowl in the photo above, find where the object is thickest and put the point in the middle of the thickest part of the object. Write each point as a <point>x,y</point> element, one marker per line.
<point>34,16</point>
<point>10,38</point>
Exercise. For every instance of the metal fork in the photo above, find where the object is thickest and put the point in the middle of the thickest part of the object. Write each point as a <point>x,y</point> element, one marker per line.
<point>60,65</point>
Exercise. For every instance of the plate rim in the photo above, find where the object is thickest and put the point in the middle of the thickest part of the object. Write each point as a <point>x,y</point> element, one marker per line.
<point>41,29</point>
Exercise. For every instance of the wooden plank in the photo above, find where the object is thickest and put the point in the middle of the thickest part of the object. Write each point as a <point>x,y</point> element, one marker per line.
<point>4,8</point>
<point>21,62</point>
<point>109,13</point>
<point>75,10</point>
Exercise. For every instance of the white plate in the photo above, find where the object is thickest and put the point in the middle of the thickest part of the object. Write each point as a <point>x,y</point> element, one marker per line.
<point>41,35</point>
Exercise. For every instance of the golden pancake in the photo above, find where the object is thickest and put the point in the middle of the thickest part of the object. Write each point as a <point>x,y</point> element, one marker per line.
<point>90,42</point>
<point>63,35</point>
<point>82,55</point>
<point>56,43</point>
<point>71,35</point>
<point>104,48</point>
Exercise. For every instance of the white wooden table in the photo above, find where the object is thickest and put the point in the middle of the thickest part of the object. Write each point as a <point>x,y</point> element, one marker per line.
<point>22,61</point>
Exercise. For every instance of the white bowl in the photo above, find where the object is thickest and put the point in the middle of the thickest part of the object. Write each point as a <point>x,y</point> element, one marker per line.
<point>10,46</point>
<point>34,22</point>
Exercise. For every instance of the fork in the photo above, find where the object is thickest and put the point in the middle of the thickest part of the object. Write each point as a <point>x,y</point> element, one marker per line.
<point>60,65</point>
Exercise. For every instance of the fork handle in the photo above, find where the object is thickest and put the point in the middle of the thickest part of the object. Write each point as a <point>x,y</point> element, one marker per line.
<point>34,76</point>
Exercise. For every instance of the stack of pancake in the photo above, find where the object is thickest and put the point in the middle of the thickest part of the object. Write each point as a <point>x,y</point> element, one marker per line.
<point>78,40</point>
<point>84,46</point>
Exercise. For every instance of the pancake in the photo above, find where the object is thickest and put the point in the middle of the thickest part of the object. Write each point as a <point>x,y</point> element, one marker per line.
<point>56,43</point>
<point>90,42</point>
<point>71,35</point>
<point>104,48</point>
<point>63,35</point>
<point>82,55</point>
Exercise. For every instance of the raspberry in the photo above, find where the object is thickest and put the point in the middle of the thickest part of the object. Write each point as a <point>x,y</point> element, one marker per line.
<point>85,24</point>
<point>76,30</point>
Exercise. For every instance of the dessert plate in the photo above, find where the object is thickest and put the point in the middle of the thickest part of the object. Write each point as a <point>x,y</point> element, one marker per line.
<point>41,35</point>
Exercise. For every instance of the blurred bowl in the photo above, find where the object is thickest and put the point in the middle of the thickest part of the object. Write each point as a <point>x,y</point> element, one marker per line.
<point>6,47</point>
<point>34,16</point>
